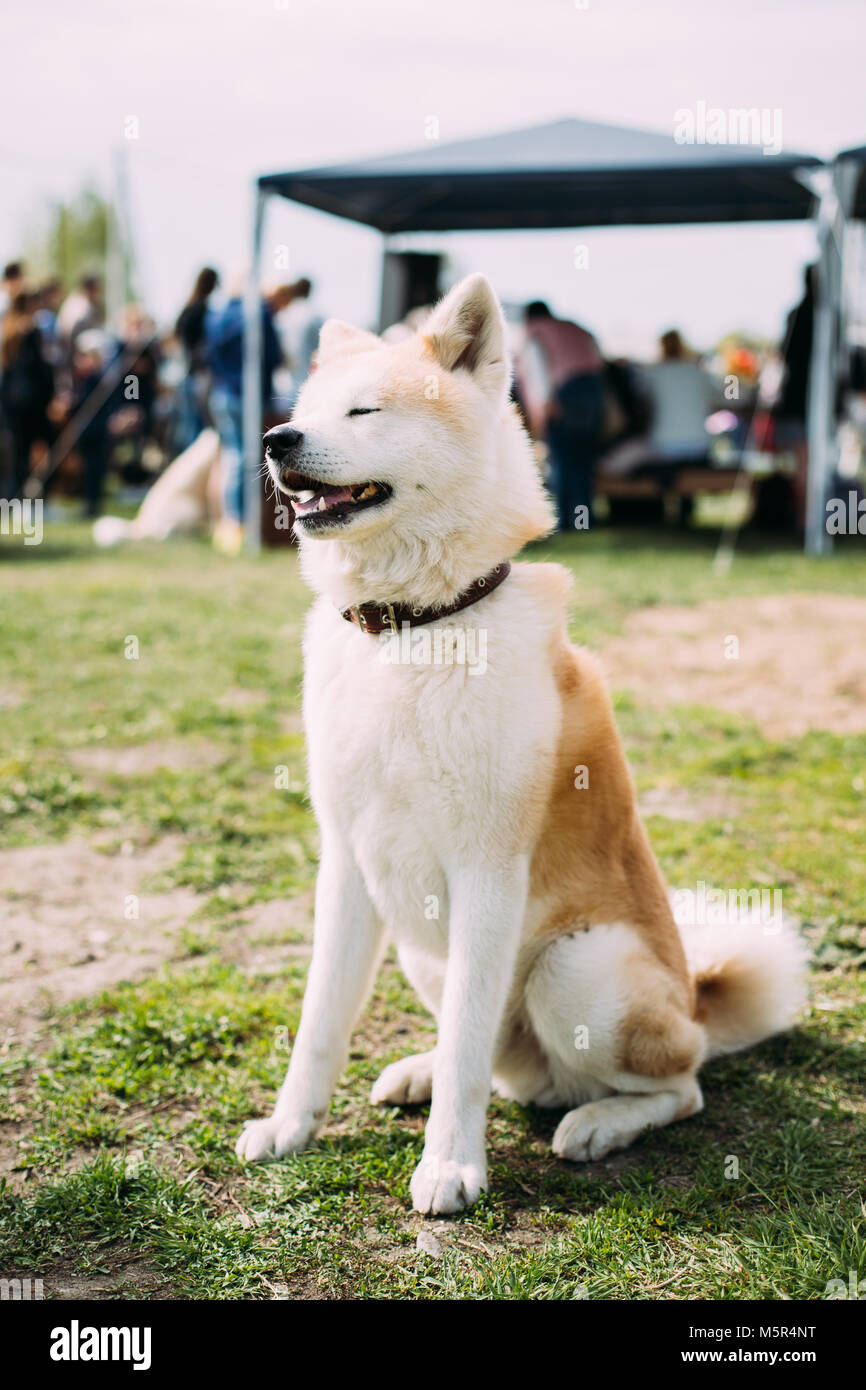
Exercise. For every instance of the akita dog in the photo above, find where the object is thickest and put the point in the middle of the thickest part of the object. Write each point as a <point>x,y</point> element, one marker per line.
<point>481,817</point>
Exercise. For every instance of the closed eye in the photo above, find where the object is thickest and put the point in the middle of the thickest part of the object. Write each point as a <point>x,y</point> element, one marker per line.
<point>365,410</point>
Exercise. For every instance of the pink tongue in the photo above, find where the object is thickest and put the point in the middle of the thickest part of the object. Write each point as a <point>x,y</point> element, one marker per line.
<point>332,499</point>
<point>343,494</point>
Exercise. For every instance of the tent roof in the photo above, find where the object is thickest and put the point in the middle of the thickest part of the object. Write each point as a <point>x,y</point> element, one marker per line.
<point>569,173</point>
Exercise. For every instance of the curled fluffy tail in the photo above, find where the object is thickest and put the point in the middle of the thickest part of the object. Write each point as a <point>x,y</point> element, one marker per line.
<point>751,981</point>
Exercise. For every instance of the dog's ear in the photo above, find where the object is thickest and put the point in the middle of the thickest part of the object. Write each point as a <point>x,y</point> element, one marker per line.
<point>336,337</point>
<point>467,330</point>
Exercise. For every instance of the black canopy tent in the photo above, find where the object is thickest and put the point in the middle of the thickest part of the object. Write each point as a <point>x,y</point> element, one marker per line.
<point>845,235</point>
<point>570,173</point>
<point>850,169</point>
<point>840,215</point>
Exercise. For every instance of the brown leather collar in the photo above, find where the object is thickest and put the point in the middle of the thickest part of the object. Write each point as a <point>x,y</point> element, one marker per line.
<point>391,617</point>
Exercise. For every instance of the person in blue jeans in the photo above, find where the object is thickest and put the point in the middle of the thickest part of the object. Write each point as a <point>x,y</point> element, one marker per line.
<point>191,333</point>
<point>225,343</point>
<point>561,373</point>
<point>573,434</point>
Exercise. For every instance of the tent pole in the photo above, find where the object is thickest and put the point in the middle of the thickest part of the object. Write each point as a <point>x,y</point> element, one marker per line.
<point>820,426</point>
<point>253,382</point>
<point>385,287</point>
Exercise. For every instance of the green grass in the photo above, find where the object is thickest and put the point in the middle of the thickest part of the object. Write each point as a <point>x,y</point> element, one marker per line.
<point>123,1111</point>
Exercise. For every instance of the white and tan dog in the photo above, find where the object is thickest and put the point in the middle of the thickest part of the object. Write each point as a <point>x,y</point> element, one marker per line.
<point>525,901</point>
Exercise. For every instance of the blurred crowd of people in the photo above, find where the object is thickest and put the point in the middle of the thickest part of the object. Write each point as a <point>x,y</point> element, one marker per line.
<point>80,397</point>
<point>620,419</point>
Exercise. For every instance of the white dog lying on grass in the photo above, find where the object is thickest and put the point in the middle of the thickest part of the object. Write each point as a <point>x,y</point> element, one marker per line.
<point>185,498</point>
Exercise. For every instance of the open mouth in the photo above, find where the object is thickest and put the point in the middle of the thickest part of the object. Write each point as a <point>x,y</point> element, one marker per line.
<point>322,504</point>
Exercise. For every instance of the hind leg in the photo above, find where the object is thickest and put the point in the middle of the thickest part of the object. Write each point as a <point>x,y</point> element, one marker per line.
<point>619,1043</point>
<point>593,1130</point>
<point>407,1082</point>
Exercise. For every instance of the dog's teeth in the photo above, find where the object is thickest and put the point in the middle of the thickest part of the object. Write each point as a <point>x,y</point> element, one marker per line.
<point>369,491</point>
<point>306,496</point>
<point>322,505</point>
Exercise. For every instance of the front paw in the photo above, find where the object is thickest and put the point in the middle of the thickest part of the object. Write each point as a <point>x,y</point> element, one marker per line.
<point>262,1141</point>
<point>442,1185</point>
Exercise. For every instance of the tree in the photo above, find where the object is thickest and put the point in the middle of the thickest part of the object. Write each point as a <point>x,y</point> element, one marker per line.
<point>76,238</point>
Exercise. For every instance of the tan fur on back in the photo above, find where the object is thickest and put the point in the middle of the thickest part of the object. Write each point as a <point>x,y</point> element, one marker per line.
<point>593,862</point>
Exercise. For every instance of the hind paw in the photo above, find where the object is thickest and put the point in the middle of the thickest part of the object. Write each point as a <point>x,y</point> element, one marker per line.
<point>583,1135</point>
<point>407,1082</point>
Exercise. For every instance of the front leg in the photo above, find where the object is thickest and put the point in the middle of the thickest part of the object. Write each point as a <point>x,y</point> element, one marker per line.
<point>346,942</point>
<point>487,909</point>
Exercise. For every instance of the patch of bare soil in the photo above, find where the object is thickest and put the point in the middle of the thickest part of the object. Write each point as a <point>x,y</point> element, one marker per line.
<point>10,1159</point>
<point>74,922</point>
<point>140,759</point>
<point>790,662</point>
<point>679,803</point>
<point>435,1238</point>
<point>258,945</point>
<point>241,697</point>
<point>124,1275</point>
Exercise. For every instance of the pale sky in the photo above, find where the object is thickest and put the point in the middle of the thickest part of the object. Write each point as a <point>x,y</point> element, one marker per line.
<point>227,89</point>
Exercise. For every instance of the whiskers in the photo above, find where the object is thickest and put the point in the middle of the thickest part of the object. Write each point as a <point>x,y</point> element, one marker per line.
<point>273,494</point>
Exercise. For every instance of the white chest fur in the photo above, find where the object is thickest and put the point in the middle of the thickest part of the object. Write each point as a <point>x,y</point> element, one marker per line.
<point>422,756</point>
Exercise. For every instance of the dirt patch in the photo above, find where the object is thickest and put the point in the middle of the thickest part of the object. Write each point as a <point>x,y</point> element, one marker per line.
<point>240,697</point>
<point>258,944</point>
<point>679,803</point>
<point>74,922</point>
<point>790,662</point>
<point>123,1275</point>
<point>140,759</point>
<point>10,1158</point>
<point>269,922</point>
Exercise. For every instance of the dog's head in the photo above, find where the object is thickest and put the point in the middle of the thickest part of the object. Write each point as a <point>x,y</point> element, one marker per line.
<point>409,458</point>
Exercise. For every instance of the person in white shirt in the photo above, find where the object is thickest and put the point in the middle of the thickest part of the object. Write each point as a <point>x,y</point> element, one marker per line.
<point>11,286</point>
<point>682,395</point>
<point>81,311</point>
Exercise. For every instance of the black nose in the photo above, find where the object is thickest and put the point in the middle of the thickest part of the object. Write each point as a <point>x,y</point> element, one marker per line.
<point>281,441</point>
